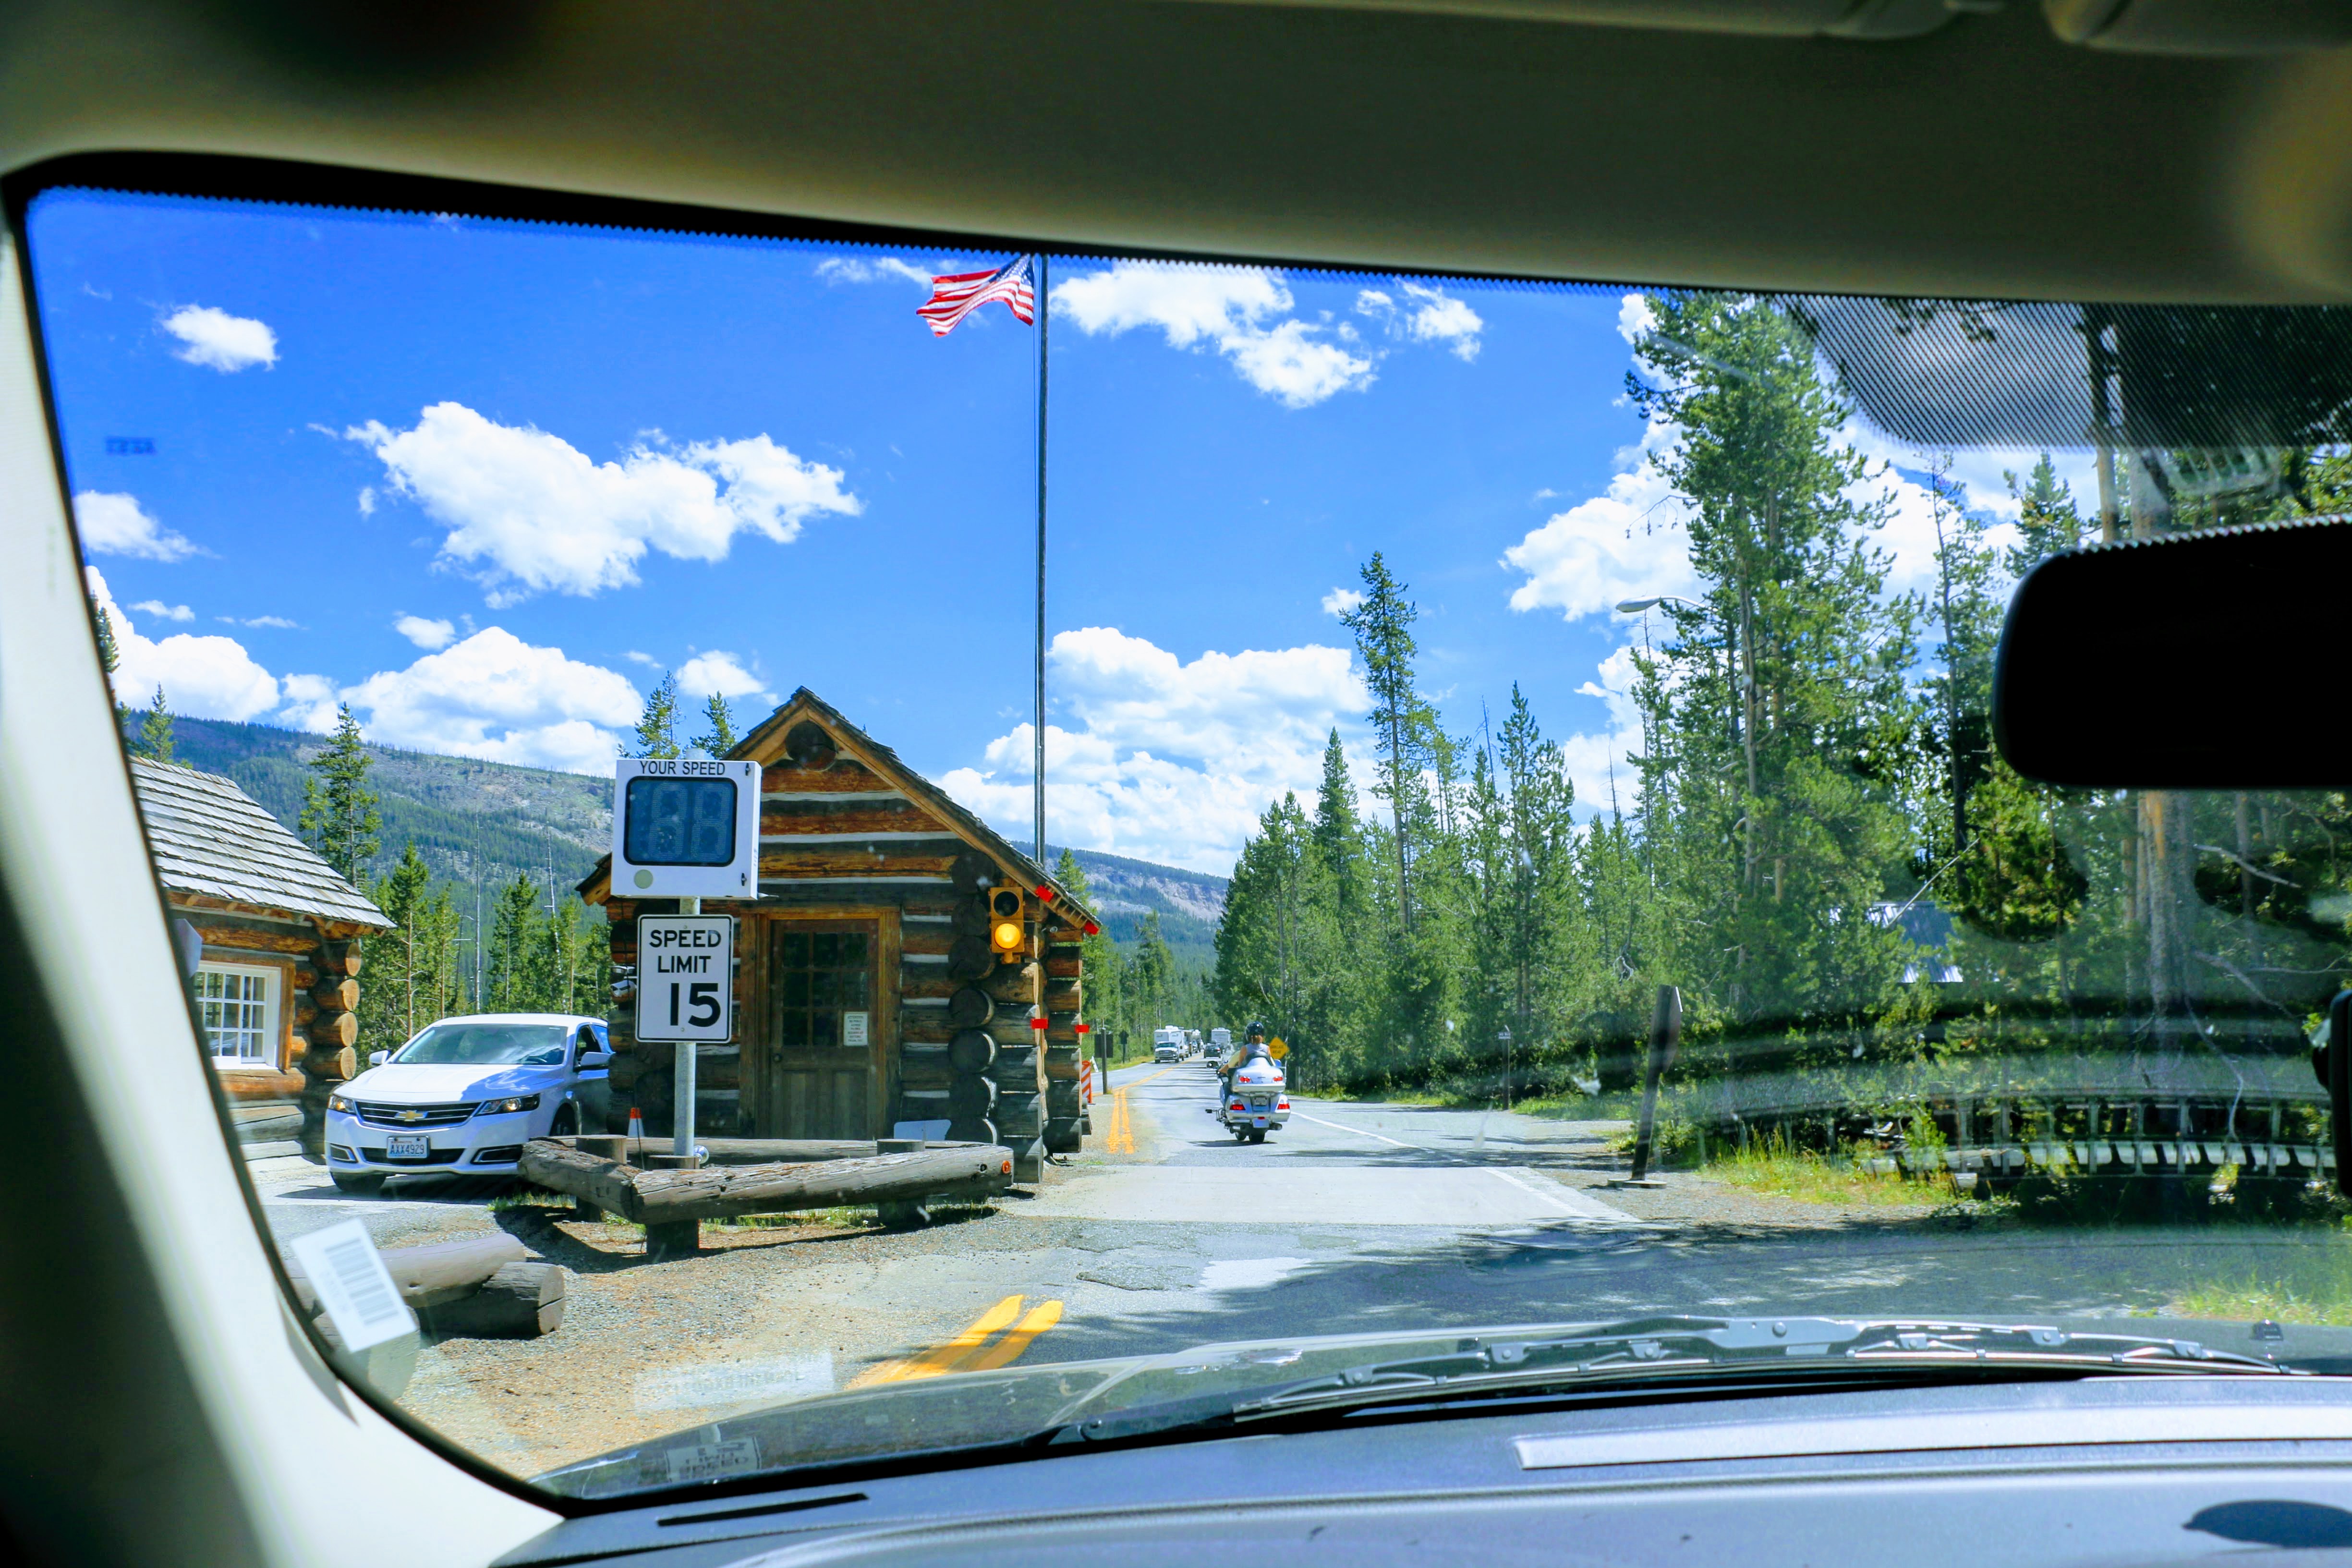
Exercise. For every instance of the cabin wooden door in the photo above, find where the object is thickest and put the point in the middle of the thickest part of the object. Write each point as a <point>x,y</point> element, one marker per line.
<point>824,1029</point>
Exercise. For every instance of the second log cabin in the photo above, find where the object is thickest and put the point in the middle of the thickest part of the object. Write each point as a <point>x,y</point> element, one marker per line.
<point>878,896</point>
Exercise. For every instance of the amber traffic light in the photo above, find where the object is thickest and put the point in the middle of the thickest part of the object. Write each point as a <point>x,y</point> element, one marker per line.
<point>1007,934</point>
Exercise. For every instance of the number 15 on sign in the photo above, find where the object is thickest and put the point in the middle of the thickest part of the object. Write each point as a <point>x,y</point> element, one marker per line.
<point>685,978</point>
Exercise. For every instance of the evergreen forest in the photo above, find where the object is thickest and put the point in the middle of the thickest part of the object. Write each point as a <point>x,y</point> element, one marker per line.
<point>1816,842</point>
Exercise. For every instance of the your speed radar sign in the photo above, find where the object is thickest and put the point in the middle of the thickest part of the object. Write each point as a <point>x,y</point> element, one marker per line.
<point>686,988</point>
<point>686,828</point>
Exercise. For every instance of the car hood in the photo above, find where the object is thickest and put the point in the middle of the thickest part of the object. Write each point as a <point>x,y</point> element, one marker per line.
<point>967,1409</point>
<point>414,1084</point>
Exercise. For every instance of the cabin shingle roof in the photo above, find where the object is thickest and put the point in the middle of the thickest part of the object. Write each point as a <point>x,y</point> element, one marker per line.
<point>210,837</point>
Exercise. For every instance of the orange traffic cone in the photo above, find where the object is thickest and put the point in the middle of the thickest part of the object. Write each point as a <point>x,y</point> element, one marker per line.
<point>636,1136</point>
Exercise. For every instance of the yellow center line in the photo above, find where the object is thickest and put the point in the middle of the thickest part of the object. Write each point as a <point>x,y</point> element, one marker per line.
<point>1004,1352</point>
<point>944,1357</point>
<point>1120,1139</point>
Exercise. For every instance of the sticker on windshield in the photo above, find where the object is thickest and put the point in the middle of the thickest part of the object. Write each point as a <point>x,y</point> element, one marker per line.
<point>710,1461</point>
<point>352,1284</point>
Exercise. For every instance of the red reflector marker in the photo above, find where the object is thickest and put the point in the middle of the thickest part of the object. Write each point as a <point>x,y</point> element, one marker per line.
<point>1085,1028</point>
<point>1093,929</point>
<point>1036,1023</point>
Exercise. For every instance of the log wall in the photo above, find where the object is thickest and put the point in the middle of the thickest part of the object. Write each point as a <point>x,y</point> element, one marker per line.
<point>318,1021</point>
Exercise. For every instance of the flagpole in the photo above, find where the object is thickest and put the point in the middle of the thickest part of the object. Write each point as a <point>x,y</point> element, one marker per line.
<point>1044,315</point>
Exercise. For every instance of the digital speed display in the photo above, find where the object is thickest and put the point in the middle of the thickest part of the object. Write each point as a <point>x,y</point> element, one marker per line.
<point>680,821</point>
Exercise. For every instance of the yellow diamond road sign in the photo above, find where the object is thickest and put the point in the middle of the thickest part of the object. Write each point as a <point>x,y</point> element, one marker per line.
<point>1276,1050</point>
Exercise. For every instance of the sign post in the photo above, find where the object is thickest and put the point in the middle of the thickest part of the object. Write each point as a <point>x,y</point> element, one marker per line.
<point>685,993</point>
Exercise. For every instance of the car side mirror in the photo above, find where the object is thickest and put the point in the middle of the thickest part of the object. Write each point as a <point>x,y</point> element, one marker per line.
<point>377,1059</point>
<point>591,1061</point>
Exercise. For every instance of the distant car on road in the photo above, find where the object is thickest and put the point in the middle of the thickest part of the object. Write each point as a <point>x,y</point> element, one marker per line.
<point>1168,1044</point>
<point>464,1095</point>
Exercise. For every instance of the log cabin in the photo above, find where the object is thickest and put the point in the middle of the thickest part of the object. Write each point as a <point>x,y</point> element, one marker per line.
<point>276,975</point>
<point>877,899</point>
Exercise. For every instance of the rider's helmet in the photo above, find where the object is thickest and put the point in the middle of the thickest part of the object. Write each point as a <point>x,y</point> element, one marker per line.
<point>1254,1029</point>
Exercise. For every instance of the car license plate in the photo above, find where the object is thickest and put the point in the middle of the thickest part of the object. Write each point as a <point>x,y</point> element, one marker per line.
<point>1261,1103</point>
<point>407,1145</point>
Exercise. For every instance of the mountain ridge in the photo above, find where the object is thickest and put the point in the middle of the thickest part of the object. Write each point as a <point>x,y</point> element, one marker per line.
<point>481,822</point>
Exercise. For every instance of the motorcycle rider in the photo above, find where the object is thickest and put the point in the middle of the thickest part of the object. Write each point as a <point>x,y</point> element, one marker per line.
<point>1253,1048</point>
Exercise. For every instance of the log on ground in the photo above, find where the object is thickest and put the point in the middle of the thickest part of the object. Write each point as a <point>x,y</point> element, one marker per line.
<point>966,1171</point>
<point>518,1301</point>
<point>431,1275</point>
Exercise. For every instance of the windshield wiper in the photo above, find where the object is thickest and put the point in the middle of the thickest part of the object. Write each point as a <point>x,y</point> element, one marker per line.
<point>1698,1350</point>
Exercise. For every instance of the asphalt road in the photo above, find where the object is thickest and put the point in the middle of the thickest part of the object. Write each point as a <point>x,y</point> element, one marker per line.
<point>1166,1233</point>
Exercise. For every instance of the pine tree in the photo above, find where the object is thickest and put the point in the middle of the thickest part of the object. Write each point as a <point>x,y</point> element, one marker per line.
<point>516,973</point>
<point>658,725</point>
<point>110,653</point>
<point>1098,956</point>
<point>339,812</point>
<point>1401,722</point>
<point>155,731</point>
<point>719,738</point>
<point>411,970</point>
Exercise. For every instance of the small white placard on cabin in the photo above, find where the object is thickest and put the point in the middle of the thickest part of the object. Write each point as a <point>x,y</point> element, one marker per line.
<point>853,1030</point>
<point>686,984</point>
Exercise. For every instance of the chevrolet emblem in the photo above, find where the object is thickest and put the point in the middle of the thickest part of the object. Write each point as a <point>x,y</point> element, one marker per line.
<point>410,1116</point>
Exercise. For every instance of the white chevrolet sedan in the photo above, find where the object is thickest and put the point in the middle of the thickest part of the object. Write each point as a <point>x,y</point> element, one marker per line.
<point>464,1095</point>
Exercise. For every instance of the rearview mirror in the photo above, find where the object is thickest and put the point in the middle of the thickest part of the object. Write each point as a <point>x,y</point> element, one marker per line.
<point>377,1059</point>
<point>591,1061</point>
<point>2206,660</point>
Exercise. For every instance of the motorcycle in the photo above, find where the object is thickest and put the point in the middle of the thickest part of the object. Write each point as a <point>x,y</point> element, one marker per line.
<point>1252,1100</point>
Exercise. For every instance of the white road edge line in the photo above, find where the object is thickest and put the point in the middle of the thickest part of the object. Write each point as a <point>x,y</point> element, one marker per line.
<point>1358,1132</point>
<point>1534,1192</point>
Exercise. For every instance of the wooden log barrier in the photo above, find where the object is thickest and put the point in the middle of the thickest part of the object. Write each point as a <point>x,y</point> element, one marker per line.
<point>482,1287</point>
<point>649,1198</point>
<point>518,1301</point>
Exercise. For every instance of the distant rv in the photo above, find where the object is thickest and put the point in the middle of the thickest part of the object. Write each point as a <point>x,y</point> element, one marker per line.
<point>1168,1044</point>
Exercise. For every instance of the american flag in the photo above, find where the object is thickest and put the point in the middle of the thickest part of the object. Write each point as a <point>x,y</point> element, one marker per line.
<point>959,294</point>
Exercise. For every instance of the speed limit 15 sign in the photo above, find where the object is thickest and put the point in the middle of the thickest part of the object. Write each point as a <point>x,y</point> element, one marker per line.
<point>686,988</point>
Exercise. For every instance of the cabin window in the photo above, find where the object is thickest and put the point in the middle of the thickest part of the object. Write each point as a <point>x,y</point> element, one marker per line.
<point>239,1009</point>
<point>824,987</point>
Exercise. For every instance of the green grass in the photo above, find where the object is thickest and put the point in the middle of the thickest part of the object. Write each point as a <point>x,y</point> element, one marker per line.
<point>1772,1169</point>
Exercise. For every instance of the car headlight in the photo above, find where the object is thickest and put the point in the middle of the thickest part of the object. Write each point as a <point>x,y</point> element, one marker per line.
<point>507,1107</point>
<point>342,1103</point>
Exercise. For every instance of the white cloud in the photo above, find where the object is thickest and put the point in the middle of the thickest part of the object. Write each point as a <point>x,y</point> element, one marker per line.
<point>207,677</point>
<point>367,501</point>
<point>1169,761</point>
<point>209,336</point>
<point>264,623</point>
<point>114,524</point>
<point>1233,310</point>
<point>1339,601</point>
<point>1591,760</point>
<point>429,634</point>
<point>870,269</point>
<point>165,612</point>
<point>531,512</point>
<point>1631,541</point>
<point>1634,316</point>
<point>649,660</point>
<point>1427,315</point>
<point>723,673</point>
<point>491,696</point>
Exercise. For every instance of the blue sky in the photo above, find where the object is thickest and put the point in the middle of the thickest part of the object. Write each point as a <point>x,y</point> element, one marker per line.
<point>485,482</point>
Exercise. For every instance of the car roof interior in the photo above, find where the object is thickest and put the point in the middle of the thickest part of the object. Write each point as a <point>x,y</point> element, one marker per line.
<point>1926,147</point>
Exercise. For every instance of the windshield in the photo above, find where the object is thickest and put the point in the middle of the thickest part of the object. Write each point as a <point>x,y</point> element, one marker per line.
<point>485,1044</point>
<point>1556,717</point>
